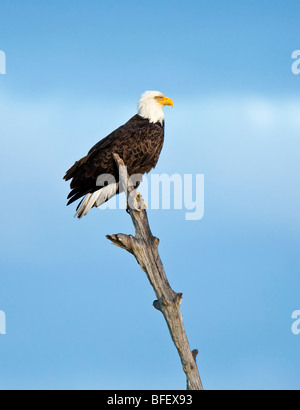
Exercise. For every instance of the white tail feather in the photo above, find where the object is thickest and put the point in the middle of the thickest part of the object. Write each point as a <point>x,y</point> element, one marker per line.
<point>82,206</point>
<point>96,199</point>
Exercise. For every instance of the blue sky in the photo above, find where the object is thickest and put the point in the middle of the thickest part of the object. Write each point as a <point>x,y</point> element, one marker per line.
<point>79,311</point>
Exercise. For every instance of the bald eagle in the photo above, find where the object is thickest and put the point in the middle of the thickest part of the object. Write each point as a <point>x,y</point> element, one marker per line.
<point>138,142</point>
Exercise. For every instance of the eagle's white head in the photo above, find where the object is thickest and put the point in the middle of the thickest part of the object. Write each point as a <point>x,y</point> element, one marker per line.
<point>151,106</point>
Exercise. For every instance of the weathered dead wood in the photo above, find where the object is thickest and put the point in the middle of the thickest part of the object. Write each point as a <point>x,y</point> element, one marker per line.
<point>144,247</point>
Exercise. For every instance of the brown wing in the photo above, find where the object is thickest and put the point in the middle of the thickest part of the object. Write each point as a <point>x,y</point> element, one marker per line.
<point>138,142</point>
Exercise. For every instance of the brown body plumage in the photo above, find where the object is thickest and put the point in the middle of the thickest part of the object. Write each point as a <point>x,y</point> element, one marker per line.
<point>138,143</point>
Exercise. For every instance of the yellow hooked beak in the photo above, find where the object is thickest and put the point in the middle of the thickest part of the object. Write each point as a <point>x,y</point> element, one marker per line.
<point>165,101</point>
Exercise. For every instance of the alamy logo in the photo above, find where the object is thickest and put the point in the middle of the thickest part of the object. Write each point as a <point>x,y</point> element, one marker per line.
<point>2,323</point>
<point>2,62</point>
<point>296,324</point>
<point>296,64</point>
<point>179,192</point>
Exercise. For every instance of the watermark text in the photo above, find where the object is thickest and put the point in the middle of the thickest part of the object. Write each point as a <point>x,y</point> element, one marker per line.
<point>296,64</point>
<point>166,192</point>
<point>296,323</point>
<point>2,62</point>
<point>2,323</point>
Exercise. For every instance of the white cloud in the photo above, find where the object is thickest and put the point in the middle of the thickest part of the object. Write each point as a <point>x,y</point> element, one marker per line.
<point>249,112</point>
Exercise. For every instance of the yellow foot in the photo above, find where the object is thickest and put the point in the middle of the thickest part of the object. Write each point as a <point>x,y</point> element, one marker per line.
<point>139,198</point>
<point>136,203</point>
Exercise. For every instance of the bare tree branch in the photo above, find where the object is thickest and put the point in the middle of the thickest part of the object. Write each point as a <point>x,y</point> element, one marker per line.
<point>144,247</point>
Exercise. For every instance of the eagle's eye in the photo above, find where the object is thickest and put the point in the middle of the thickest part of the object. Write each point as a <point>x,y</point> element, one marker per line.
<point>159,98</point>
